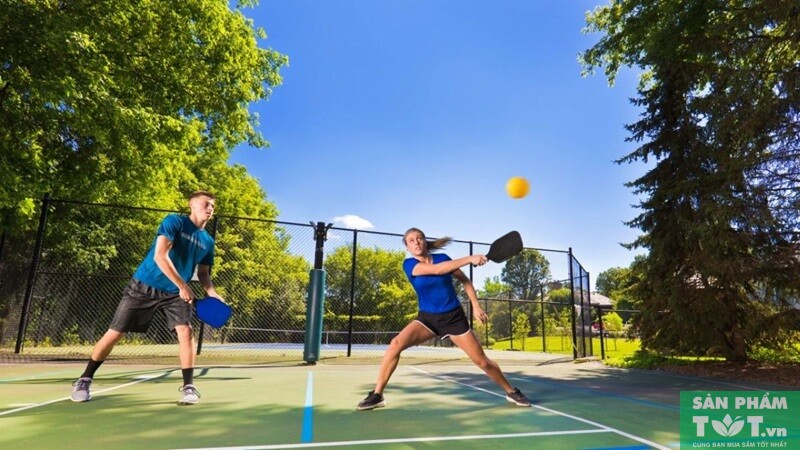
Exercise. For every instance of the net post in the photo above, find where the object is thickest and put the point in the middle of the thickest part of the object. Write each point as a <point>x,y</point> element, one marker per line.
<point>316,297</point>
<point>314,307</point>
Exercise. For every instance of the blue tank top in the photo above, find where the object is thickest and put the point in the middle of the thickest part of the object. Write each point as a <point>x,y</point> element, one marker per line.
<point>435,293</point>
<point>190,246</point>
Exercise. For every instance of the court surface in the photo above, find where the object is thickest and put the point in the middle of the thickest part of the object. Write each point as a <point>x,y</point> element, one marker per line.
<point>295,405</point>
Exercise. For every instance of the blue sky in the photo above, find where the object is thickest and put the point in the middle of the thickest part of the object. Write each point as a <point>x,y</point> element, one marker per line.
<point>401,113</point>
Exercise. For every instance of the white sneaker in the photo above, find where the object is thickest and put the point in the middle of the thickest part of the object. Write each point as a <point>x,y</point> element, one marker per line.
<point>190,395</point>
<point>81,390</point>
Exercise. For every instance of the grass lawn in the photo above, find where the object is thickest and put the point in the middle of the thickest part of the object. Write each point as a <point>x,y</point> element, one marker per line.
<point>615,347</point>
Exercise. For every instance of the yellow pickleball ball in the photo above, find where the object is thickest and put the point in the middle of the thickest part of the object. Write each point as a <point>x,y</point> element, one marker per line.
<point>517,187</point>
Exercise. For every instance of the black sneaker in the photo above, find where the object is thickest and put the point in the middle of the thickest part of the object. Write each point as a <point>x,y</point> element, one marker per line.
<point>518,398</point>
<point>372,401</point>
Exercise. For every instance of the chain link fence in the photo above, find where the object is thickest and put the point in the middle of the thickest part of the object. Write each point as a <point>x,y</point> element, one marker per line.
<point>61,283</point>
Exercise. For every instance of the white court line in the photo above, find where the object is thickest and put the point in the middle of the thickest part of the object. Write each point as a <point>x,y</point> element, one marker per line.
<point>552,411</point>
<point>36,405</point>
<point>405,440</point>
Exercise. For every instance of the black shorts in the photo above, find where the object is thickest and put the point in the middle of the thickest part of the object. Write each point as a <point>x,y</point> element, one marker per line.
<point>139,304</point>
<point>444,325</point>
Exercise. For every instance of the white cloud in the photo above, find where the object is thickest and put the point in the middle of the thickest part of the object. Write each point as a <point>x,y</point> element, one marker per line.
<point>352,221</point>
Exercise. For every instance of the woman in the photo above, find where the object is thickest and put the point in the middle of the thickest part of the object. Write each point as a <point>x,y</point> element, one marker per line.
<point>440,314</point>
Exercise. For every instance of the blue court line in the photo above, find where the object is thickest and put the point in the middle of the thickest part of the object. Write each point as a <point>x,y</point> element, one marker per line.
<point>603,394</point>
<point>307,433</point>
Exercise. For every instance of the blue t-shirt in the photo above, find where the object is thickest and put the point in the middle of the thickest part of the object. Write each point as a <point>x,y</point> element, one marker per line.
<point>436,293</point>
<point>190,246</point>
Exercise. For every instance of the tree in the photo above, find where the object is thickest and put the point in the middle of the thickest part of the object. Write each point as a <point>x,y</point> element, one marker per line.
<point>526,273</point>
<point>562,314</point>
<point>484,332</point>
<point>494,288</point>
<point>616,284</point>
<point>383,298</point>
<point>610,281</point>
<point>496,292</point>
<point>123,102</point>
<point>720,99</point>
<point>625,293</point>
<point>135,103</point>
<point>612,322</point>
<point>522,327</point>
<point>248,253</point>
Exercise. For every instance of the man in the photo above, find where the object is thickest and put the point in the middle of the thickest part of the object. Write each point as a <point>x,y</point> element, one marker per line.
<point>161,283</point>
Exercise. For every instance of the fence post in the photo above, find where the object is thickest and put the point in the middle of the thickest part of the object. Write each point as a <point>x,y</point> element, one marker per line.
<point>488,322</point>
<point>572,306</point>
<point>37,249</point>
<point>352,294</point>
<point>602,332</point>
<point>586,352</point>
<point>510,323</point>
<point>2,245</point>
<point>544,331</point>
<point>471,321</point>
<point>588,308</point>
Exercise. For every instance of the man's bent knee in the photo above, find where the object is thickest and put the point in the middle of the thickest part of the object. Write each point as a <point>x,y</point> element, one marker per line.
<point>183,331</point>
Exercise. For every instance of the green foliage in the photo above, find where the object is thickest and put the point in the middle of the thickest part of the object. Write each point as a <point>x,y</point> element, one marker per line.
<point>789,354</point>
<point>125,102</point>
<point>526,274</point>
<point>559,318</point>
<point>522,327</point>
<point>381,287</point>
<point>71,336</point>
<point>639,360</point>
<point>644,359</point>
<point>612,322</point>
<point>561,295</point>
<point>139,103</point>
<point>494,288</point>
<point>719,98</point>
<point>135,339</point>
<point>259,293</point>
<point>551,324</point>
<point>484,333</point>
<point>499,321</point>
<point>615,348</point>
<point>610,281</point>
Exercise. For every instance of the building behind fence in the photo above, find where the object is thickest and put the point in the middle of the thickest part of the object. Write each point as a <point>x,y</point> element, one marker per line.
<point>59,288</point>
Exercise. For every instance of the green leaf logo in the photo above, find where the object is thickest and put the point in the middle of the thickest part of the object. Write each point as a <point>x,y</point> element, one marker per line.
<point>728,426</point>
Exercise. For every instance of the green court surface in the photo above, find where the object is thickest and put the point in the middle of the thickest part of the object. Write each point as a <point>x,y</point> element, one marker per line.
<point>293,405</point>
